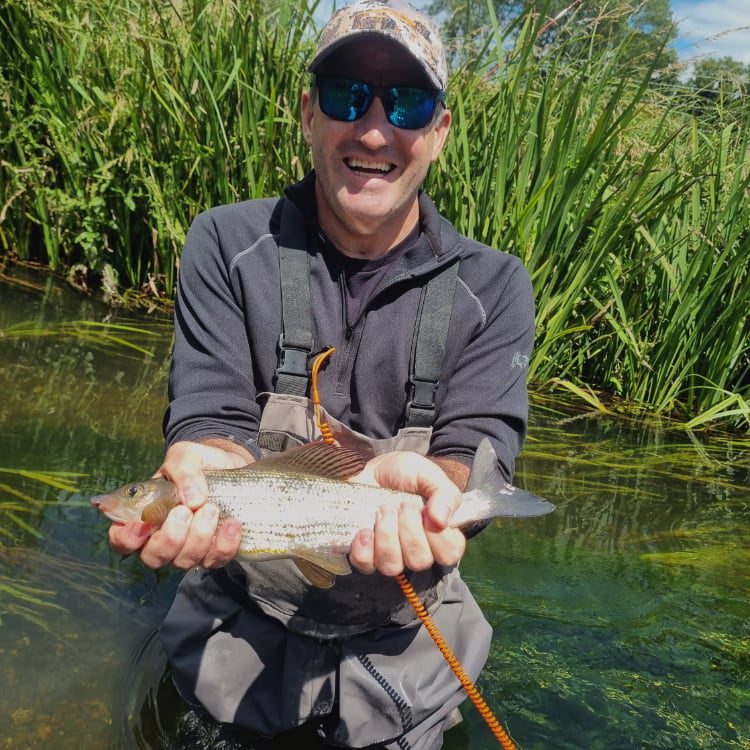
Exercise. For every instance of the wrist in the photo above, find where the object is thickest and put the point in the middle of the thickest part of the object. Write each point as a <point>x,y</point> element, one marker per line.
<point>456,471</point>
<point>240,455</point>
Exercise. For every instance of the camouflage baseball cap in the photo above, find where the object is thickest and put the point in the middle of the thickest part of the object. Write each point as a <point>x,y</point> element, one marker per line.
<point>394,19</point>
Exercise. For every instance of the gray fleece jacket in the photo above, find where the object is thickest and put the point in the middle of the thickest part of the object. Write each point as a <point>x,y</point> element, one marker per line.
<point>228,321</point>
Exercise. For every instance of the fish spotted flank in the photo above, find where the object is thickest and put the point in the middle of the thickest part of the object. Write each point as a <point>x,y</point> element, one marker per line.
<point>299,505</point>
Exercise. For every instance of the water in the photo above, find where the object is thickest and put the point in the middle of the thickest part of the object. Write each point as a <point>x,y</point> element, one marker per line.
<point>621,620</point>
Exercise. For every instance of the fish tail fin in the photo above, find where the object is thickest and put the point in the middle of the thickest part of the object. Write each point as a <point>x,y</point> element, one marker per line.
<point>488,495</point>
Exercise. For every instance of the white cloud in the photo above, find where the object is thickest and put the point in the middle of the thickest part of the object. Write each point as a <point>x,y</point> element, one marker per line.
<point>713,28</point>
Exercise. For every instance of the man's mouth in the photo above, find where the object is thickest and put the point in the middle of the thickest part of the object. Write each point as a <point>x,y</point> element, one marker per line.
<point>374,168</point>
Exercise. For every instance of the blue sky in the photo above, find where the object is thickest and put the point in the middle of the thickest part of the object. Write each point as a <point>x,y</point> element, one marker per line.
<point>706,28</point>
<point>713,28</point>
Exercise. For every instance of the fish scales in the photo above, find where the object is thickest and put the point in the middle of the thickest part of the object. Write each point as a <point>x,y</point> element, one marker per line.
<point>319,514</point>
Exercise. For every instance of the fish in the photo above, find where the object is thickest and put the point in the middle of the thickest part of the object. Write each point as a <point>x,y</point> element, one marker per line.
<point>300,505</point>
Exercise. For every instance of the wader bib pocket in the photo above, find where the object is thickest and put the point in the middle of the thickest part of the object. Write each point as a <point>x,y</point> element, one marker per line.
<point>289,420</point>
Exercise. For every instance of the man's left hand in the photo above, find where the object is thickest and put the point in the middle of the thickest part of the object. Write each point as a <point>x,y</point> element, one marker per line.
<point>416,534</point>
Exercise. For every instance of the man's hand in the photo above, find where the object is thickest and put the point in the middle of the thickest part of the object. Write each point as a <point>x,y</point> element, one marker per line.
<point>416,535</point>
<point>191,535</point>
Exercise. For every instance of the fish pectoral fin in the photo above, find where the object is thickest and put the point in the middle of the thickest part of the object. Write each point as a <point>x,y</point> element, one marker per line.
<point>321,568</point>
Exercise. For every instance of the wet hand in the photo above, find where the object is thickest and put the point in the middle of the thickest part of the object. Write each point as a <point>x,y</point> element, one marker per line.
<point>191,534</point>
<point>414,535</point>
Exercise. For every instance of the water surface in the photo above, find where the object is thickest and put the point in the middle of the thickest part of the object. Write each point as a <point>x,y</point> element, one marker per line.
<point>620,621</point>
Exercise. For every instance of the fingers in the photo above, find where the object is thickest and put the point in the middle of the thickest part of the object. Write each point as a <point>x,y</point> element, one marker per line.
<point>188,539</point>
<point>191,534</point>
<point>444,499</point>
<point>414,535</point>
<point>166,542</point>
<point>225,545</point>
<point>362,554</point>
<point>447,546</point>
<point>388,558</point>
<point>415,546</point>
<point>129,537</point>
<point>405,537</point>
<point>199,537</point>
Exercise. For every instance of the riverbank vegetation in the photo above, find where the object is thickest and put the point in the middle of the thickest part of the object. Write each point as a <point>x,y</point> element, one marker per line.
<point>627,199</point>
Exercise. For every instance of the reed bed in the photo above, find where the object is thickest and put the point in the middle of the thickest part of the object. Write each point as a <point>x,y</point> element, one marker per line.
<point>121,119</point>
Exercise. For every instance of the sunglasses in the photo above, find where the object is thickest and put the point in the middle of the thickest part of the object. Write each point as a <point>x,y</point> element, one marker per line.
<point>406,107</point>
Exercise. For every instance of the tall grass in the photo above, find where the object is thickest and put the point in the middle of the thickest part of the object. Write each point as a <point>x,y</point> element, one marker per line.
<point>631,215</point>
<point>121,119</point>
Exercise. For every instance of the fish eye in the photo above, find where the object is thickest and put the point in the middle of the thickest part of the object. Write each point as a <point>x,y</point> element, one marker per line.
<point>134,490</point>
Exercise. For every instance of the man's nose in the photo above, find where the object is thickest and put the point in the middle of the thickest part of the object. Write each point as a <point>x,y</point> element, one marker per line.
<point>373,129</point>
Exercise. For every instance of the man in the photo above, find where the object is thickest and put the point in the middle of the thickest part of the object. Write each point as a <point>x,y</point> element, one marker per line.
<point>432,333</point>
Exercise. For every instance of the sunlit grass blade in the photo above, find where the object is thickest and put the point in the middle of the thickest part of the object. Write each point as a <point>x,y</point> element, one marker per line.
<point>57,479</point>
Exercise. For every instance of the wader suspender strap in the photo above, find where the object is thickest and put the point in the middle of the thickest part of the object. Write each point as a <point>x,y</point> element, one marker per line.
<point>296,341</point>
<point>428,349</point>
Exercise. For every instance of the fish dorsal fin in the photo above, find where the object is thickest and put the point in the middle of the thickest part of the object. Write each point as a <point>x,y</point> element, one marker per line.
<point>318,458</point>
<point>321,568</point>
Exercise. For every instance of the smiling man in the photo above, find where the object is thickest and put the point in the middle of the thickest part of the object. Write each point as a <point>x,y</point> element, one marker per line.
<point>429,329</point>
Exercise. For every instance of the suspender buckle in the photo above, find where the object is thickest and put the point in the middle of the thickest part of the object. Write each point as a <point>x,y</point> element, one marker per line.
<point>292,359</point>
<point>422,397</point>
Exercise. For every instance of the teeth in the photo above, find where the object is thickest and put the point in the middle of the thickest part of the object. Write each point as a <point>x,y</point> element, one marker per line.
<point>374,166</point>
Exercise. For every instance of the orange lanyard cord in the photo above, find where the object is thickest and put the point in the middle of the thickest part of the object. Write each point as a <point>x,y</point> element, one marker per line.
<point>484,710</point>
<point>324,427</point>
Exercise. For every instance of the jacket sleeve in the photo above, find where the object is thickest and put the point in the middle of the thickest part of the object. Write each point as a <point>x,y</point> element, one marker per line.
<point>211,388</point>
<point>485,395</point>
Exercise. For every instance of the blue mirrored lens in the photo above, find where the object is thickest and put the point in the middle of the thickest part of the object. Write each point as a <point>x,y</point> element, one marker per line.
<point>406,107</point>
<point>342,99</point>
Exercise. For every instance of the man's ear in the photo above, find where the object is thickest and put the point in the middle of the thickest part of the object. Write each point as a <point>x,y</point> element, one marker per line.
<point>441,129</point>
<point>308,112</point>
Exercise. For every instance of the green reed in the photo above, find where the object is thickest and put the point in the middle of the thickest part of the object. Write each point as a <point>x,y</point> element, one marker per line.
<point>120,120</point>
<point>631,215</point>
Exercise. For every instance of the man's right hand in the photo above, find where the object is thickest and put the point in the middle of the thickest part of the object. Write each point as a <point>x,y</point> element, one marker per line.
<point>192,534</point>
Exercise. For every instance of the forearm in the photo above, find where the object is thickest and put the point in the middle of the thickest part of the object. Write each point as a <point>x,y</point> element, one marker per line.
<point>455,470</point>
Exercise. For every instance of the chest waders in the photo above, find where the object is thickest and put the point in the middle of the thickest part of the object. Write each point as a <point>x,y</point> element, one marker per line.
<point>259,647</point>
<point>356,602</point>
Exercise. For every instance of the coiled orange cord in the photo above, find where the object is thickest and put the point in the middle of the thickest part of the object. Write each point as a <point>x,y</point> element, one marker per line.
<point>324,427</point>
<point>484,710</point>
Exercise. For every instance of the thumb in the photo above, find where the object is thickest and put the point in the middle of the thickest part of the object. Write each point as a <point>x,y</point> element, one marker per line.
<point>185,470</point>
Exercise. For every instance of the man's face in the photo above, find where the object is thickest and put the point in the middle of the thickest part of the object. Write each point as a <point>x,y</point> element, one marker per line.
<point>369,171</point>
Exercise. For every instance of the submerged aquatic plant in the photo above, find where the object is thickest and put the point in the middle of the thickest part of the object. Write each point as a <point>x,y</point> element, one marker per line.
<point>30,579</point>
<point>93,333</point>
<point>18,509</point>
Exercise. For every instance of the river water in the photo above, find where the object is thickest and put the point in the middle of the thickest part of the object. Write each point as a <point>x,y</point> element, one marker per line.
<point>620,621</point>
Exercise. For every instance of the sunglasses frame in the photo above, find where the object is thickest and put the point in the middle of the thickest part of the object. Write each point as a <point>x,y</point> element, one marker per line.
<point>382,93</point>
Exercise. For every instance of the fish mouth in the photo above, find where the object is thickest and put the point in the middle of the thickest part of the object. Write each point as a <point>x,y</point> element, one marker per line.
<point>104,505</point>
